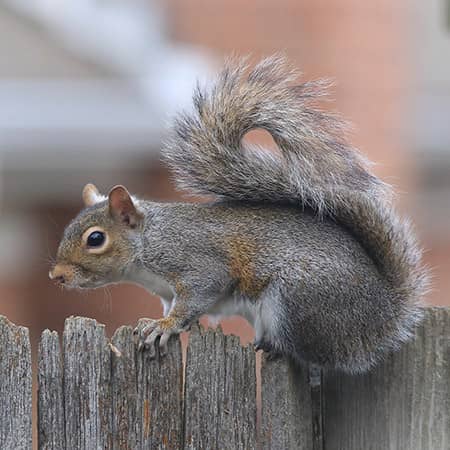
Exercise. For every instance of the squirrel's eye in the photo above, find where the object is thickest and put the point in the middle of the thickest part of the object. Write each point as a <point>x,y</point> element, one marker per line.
<point>95,239</point>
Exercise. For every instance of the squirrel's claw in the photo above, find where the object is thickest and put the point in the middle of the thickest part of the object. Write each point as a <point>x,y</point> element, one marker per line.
<point>141,332</point>
<point>150,341</point>
<point>148,331</point>
<point>163,344</point>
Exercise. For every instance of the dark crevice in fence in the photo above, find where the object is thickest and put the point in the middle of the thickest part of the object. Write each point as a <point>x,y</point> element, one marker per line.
<point>101,394</point>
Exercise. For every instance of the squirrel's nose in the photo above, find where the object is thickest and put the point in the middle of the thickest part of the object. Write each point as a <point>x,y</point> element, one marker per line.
<point>57,274</point>
<point>60,279</point>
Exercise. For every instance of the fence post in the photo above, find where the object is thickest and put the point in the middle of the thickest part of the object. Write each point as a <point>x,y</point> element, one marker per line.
<point>86,385</point>
<point>159,398</point>
<point>220,393</point>
<point>403,404</point>
<point>51,433</point>
<point>15,386</point>
<point>124,390</point>
<point>286,398</point>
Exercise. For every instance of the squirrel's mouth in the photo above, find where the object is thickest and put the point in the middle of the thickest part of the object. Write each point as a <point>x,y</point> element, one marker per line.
<point>68,276</point>
<point>80,284</point>
<point>62,274</point>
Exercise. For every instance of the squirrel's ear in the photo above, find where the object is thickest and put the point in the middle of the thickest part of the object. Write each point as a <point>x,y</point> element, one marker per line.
<point>121,206</point>
<point>91,196</point>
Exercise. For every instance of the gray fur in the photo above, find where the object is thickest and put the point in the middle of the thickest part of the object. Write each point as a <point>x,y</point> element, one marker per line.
<point>304,244</point>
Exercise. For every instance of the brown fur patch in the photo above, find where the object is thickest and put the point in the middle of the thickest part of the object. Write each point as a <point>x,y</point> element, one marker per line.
<point>168,322</point>
<point>181,289</point>
<point>242,252</point>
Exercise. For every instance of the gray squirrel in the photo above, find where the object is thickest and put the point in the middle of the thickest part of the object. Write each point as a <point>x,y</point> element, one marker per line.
<point>303,243</point>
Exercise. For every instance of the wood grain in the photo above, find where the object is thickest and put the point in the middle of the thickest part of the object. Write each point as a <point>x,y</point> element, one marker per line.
<point>286,416</point>
<point>220,392</point>
<point>15,386</point>
<point>159,397</point>
<point>87,385</point>
<point>51,431</point>
<point>403,404</point>
<point>124,390</point>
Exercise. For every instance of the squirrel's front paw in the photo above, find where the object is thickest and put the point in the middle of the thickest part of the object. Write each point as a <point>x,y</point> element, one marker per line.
<point>148,330</point>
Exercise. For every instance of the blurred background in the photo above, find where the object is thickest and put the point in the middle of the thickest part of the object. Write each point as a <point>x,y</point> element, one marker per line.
<point>87,88</point>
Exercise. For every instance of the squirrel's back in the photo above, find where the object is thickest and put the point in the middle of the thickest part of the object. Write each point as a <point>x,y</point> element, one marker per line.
<point>317,169</point>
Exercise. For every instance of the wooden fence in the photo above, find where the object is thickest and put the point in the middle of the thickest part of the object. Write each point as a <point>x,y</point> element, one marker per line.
<point>100,394</point>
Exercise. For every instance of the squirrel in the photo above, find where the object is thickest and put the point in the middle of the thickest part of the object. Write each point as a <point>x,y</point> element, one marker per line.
<point>304,243</point>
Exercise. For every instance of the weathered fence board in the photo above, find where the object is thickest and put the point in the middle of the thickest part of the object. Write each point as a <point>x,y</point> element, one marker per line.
<point>220,393</point>
<point>159,384</point>
<point>124,391</point>
<point>99,394</point>
<point>403,404</point>
<point>15,387</point>
<point>113,397</point>
<point>286,417</point>
<point>51,433</point>
<point>87,385</point>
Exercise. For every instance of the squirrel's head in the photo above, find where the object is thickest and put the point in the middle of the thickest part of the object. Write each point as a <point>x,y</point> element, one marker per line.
<point>98,245</point>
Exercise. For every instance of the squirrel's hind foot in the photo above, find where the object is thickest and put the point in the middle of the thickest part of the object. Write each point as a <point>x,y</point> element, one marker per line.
<point>270,353</point>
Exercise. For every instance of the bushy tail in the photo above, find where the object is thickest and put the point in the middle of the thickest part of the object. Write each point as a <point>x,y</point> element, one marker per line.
<point>317,167</point>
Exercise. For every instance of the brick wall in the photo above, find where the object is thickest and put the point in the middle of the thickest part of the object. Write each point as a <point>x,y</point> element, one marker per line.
<point>363,45</point>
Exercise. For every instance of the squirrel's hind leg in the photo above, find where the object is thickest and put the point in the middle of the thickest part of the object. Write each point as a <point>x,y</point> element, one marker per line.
<point>270,352</point>
<point>264,323</point>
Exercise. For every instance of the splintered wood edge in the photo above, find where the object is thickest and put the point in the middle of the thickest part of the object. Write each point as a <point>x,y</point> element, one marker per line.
<point>25,332</point>
<point>199,330</point>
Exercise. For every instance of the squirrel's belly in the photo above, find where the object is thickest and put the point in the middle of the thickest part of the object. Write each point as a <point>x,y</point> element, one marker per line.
<point>233,305</point>
<point>259,313</point>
